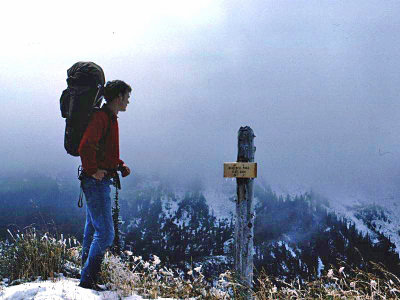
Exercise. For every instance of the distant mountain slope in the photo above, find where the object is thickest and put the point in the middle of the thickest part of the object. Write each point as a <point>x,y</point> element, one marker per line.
<point>295,236</point>
<point>374,219</point>
<point>298,237</point>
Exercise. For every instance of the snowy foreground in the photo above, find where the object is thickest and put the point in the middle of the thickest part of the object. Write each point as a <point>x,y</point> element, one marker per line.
<point>61,289</point>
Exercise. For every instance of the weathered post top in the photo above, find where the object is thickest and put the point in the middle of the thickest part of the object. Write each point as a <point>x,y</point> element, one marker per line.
<point>246,147</point>
<point>244,167</point>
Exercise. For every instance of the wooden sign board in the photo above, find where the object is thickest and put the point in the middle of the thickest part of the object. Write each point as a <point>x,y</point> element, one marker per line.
<point>240,170</point>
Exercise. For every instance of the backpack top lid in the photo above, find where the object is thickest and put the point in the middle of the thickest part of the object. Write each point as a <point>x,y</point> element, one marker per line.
<point>85,74</point>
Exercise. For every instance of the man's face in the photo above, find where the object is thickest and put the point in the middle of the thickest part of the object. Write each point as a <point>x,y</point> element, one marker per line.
<point>124,101</point>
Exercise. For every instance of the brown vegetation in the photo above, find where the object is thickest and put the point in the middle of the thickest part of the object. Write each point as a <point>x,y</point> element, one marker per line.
<point>31,255</point>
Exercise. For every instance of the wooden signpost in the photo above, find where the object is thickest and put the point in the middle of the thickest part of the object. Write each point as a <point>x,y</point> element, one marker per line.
<point>244,170</point>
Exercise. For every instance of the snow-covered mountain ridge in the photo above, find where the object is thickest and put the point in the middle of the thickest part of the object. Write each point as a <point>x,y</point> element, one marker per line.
<point>373,218</point>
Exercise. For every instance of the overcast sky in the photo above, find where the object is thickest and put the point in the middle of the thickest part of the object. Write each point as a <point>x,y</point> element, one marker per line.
<point>318,81</point>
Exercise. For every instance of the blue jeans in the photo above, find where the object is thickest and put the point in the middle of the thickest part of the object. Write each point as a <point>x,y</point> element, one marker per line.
<point>99,227</point>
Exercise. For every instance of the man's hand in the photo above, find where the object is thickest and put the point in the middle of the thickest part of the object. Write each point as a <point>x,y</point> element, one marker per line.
<point>99,175</point>
<point>125,171</point>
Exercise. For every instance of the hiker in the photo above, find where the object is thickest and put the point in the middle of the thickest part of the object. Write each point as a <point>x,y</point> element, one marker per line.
<point>99,152</point>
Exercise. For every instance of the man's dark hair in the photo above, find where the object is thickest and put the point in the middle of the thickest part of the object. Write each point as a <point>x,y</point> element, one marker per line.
<point>115,88</point>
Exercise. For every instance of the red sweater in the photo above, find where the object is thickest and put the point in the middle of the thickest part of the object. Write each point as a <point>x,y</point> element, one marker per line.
<point>97,129</point>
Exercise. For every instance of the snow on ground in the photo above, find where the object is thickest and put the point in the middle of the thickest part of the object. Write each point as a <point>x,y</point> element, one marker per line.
<point>389,229</point>
<point>321,266</point>
<point>288,248</point>
<point>342,210</point>
<point>62,289</point>
<point>220,203</point>
<point>392,226</point>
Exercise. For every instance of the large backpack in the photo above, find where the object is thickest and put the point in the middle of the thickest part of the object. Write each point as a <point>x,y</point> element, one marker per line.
<point>78,102</point>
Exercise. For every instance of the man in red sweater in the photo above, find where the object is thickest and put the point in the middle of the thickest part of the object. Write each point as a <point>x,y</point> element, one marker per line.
<point>99,152</point>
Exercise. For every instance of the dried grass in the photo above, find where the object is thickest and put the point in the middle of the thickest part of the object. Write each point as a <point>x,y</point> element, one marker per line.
<point>335,284</point>
<point>31,255</point>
